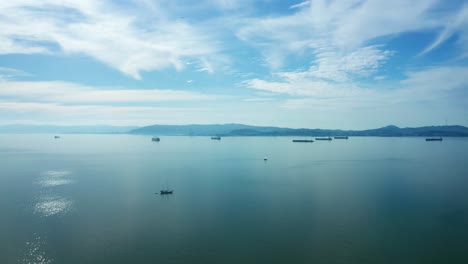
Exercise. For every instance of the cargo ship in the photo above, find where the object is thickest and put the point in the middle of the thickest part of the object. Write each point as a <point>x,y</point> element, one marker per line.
<point>323,138</point>
<point>341,137</point>
<point>434,139</point>
<point>302,140</point>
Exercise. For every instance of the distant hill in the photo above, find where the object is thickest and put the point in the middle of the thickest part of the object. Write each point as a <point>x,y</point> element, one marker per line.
<point>238,130</point>
<point>203,130</point>
<point>22,129</point>
<point>246,130</point>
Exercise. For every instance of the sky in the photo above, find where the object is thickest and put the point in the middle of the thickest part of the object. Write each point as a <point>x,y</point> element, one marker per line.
<point>337,64</point>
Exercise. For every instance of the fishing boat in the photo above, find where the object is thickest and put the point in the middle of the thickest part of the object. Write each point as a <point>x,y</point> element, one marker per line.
<point>155,139</point>
<point>163,192</point>
<point>57,137</point>
<point>216,138</point>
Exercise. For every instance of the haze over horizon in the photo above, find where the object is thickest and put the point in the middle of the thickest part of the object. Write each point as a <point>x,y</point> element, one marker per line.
<point>328,64</point>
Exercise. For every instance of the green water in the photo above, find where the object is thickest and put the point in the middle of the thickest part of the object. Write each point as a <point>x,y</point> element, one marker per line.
<point>91,199</point>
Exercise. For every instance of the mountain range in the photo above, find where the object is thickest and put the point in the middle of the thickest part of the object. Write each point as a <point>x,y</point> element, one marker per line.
<point>246,130</point>
<point>238,130</point>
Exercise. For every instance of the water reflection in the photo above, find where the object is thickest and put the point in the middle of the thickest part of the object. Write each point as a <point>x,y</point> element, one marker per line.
<point>35,253</point>
<point>50,205</point>
<point>55,178</point>
<point>358,202</point>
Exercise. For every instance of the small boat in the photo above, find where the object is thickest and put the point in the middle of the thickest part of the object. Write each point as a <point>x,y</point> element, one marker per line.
<point>155,139</point>
<point>57,137</point>
<point>163,192</point>
<point>302,140</point>
<point>434,139</point>
<point>216,138</point>
<point>323,138</point>
<point>341,137</point>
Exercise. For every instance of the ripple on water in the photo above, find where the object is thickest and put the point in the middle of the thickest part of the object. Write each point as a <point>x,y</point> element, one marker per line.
<point>35,253</point>
<point>52,205</point>
<point>55,178</point>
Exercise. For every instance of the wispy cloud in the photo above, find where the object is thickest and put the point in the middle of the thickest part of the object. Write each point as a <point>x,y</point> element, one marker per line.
<point>53,113</point>
<point>344,47</point>
<point>456,24</point>
<point>437,79</point>
<point>278,61</point>
<point>10,73</point>
<point>320,28</point>
<point>423,85</point>
<point>300,5</point>
<point>134,40</point>
<point>66,92</point>
<point>259,99</point>
<point>331,75</point>
<point>424,97</point>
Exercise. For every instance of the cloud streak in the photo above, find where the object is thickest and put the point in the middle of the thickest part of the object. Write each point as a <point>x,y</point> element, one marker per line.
<point>326,30</point>
<point>423,85</point>
<point>66,92</point>
<point>458,23</point>
<point>131,41</point>
<point>249,61</point>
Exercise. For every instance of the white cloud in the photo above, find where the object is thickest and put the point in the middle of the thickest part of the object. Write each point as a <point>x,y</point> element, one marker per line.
<point>134,40</point>
<point>362,62</point>
<point>297,87</point>
<point>52,113</point>
<point>325,31</point>
<point>336,44</point>
<point>259,99</point>
<point>227,4</point>
<point>333,75</point>
<point>221,112</point>
<point>344,42</point>
<point>424,85</point>
<point>424,97</point>
<point>437,79</point>
<point>456,24</point>
<point>300,5</point>
<point>65,92</point>
<point>11,73</point>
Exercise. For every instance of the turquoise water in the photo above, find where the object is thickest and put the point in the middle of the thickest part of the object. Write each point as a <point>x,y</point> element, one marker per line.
<point>91,199</point>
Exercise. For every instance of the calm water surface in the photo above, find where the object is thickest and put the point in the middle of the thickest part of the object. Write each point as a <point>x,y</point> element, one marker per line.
<point>91,199</point>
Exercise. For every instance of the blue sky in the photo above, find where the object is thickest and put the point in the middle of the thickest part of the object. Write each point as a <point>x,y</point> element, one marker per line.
<point>349,64</point>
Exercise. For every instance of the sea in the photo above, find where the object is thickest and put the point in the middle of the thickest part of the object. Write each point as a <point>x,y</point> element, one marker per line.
<point>95,199</point>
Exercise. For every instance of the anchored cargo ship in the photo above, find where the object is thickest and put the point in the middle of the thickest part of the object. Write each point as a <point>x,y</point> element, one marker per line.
<point>341,137</point>
<point>434,139</point>
<point>323,138</point>
<point>302,140</point>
